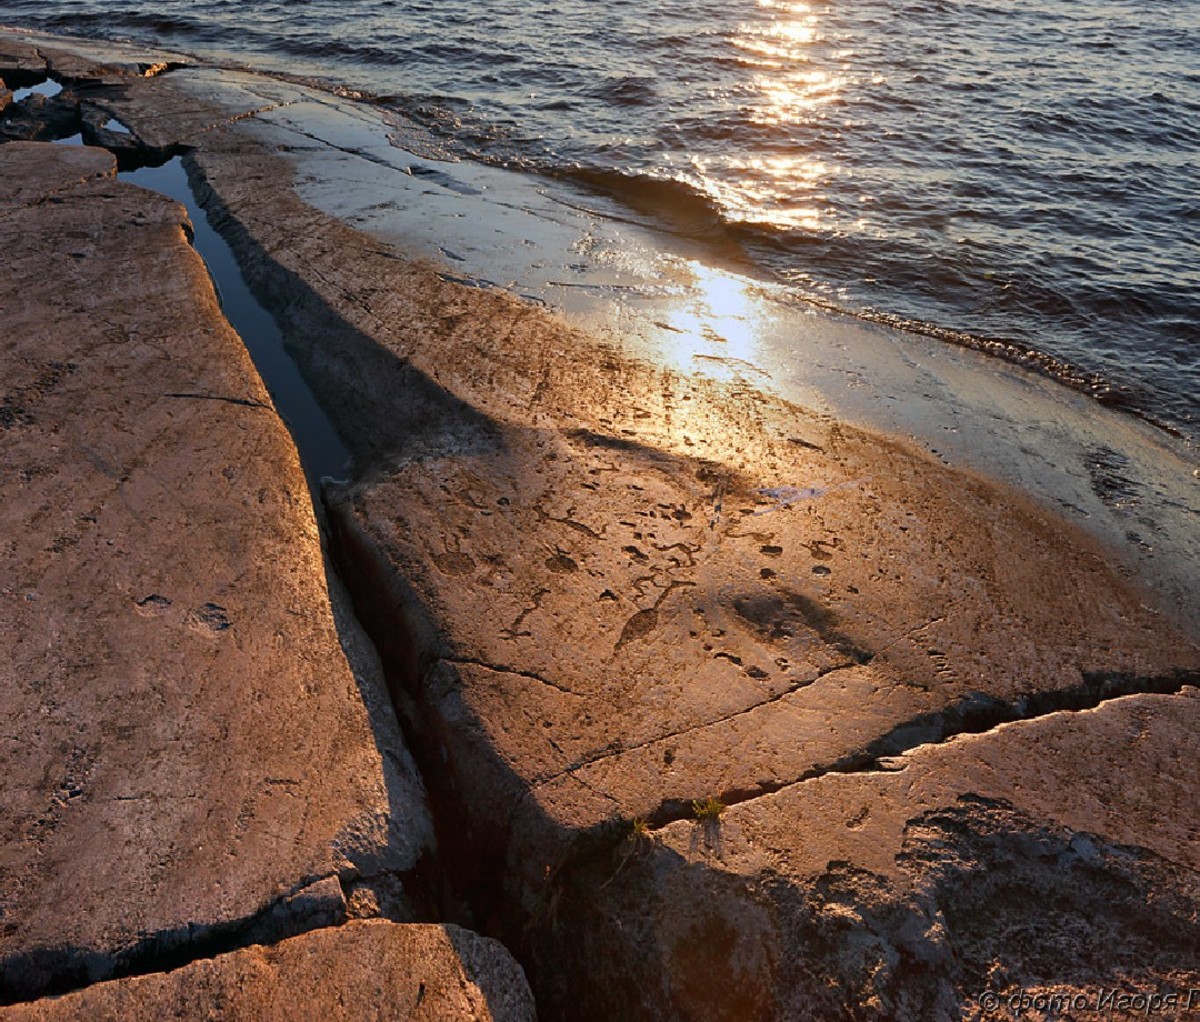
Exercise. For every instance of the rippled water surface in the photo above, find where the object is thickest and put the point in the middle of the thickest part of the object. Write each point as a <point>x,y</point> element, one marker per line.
<point>1015,170</point>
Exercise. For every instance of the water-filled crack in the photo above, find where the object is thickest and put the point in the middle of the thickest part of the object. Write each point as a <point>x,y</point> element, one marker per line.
<point>321,450</point>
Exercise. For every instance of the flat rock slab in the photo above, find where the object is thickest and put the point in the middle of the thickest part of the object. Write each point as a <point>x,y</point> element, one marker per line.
<point>182,108</point>
<point>543,238</point>
<point>184,746</point>
<point>711,682</point>
<point>606,636</point>
<point>634,625</point>
<point>624,592</point>
<point>29,175</point>
<point>37,50</point>
<point>1029,859</point>
<point>20,60</point>
<point>358,971</point>
<point>90,74</point>
<point>27,57</point>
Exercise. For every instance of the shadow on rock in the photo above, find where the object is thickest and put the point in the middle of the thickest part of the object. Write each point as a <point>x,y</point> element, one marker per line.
<point>387,410</point>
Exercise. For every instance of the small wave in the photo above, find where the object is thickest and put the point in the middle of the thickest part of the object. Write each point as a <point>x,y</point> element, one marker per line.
<point>670,202</point>
<point>110,20</point>
<point>684,209</point>
<point>1015,170</point>
<point>630,90</point>
<point>358,52</point>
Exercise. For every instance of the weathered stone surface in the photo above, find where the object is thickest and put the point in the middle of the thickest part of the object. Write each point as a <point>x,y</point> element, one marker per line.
<point>27,59</point>
<point>21,62</point>
<point>358,971</point>
<point>65,66</point>
<point>606,591</point>
<point>97,90</point>
<point>28,175</point>
<point>587,657</point>
<point>39,52</point>
<point>1026,858</point>
<point>185,748</point>
<point>86,79</point>
<point>623,591</point>
<point>165,117</point>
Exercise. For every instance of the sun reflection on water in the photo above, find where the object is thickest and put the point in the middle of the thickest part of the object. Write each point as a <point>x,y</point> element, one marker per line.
<point>788,90</point>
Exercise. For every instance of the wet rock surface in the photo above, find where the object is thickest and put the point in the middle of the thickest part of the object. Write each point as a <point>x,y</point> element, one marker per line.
<point>729,711</point>
<point>361,970</point>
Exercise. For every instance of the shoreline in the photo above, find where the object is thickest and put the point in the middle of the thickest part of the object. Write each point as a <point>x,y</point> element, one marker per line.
<point>621,205</point>
<point>605,589</point>
<point>647,297</point>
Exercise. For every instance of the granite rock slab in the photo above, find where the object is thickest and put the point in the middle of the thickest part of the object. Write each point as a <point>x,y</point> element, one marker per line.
<point>364,970</point>
<point>734,711</point>
<point>186,749</point>
<point>609,594</point>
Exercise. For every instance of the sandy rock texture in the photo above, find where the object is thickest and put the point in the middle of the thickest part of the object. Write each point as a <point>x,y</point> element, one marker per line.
<point>186,752</point>
<point>364,970</point>
<point>628,595</point>
<point>728,710</point>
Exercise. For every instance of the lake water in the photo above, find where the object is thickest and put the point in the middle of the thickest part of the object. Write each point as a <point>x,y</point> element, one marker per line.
<point>1015,175</point>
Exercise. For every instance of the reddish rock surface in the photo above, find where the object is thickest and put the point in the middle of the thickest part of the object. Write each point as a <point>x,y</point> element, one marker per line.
<point>184,745</point>
<point>624,593</point>
<point>730,711</point>
<point>370,970</point>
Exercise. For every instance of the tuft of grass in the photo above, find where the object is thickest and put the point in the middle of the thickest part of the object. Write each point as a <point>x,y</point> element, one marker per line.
<point>708,811</point>
<point>638,841</point>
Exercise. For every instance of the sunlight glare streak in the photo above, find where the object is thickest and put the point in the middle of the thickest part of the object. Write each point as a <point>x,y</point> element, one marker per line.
<point>718,320</point>
<point>787,90</point>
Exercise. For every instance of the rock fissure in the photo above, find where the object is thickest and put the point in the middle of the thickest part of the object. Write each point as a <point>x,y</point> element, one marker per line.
<point>165,906</point>
<point>611,752</point>
<point>503,669</point>
<point>162,67</point>
<point>670,921</point>
<point>975,714</point>
<point>247,402</point>
<point>53,971</point>
<point>343,149</point>
<point>479,850</point>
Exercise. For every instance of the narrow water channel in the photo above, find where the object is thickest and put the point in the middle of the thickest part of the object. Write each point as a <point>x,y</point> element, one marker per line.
<point>322,453</point>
